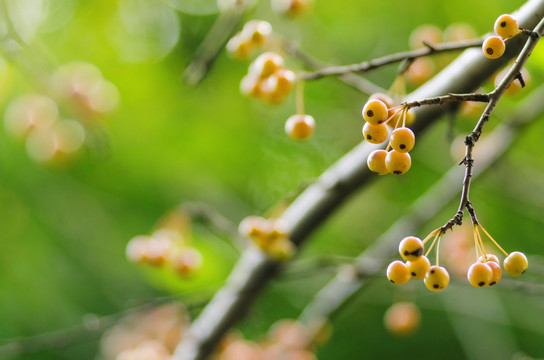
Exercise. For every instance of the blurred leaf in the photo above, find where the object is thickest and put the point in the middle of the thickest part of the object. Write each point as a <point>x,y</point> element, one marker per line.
<point>26,16</point>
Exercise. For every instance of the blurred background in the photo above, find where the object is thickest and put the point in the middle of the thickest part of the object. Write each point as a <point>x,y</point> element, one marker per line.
<point>141,142</point>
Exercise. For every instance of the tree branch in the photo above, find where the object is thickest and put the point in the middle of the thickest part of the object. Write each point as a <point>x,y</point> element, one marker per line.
<point>254,269</point>
<point>366,66</point>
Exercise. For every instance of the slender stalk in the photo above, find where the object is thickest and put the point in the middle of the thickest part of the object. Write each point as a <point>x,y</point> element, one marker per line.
<point>366,66</point>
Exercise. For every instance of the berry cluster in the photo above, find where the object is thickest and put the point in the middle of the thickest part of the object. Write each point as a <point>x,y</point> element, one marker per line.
<point>291,7</point>
<point>269,235</point>
<point>300,126</point>
<point>287,339</point>
<point>164,247</point>
<point>267,79</point>
<point>506,27</point>
<point>396,158</point>
<point>35,118</point>
<point>485,271</point>
<point>146,335</point>
<point>254,35</point>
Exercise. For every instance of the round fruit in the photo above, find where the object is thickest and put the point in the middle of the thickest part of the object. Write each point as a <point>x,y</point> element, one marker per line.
<point>506,26</point>
<point>375,134</point>
<point>375,111</point>
<point>488,257</point>
<point>411,248</point>
<point>516,263</point>
<point>266,64</point>
<point>300,127</point>
<point>403,139</point>
<point>493,47</point>
<point>397,162</point>
<point>497,272</point>
<point>397,273</point>
<point>376,162</point>
<point>425,34</point>
<point>419,267</point>
<point>402,318</point>
<point>437,278</point>
<point>257,31</point>
<point>479,274</point>
<point>386,99</point>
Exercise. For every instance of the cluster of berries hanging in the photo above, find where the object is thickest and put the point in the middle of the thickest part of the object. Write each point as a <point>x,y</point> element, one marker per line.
<point>506,27</point>
<point>267,79</point>
<point>165,247</point>
<point>396,158</point>
<point>151,334</point>
<point>268,235</point>
<point>254,35</point>
<point>36,119</point>
<point>486,271</point>
<point>287,339</point>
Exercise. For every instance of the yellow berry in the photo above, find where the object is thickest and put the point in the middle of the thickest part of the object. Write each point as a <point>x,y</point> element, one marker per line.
<point>386,99</point>
<point>410,117</point>
<point>411,248</point>
<point>479,274</point>
<point>239,48</point>
<point>277,86</point>
<point>488,257</point>
<point>421,70</point>
<point>516,263</point>
<point>375,111</point>
<point>402,139</point>
<point>299,126</point>
<point>493,47</point>
<point>397,273</point>
<point>266,64</point>
<point>281,249</point>
<point>257,31</point>
<point>419,267</point>
<point>497,272</point>
<point>402,318</point>
<point>251,86</point>
<point>375,134</point>
<point>425,33</point>
<point>506,26</point>
<point>397,162</point>
<point>437,278</point>
<point>291,7</point>
<point>376,162</point>
<point>459,32</point>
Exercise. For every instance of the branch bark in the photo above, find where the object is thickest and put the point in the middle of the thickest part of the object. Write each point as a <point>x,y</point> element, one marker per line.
<point>254,269</point>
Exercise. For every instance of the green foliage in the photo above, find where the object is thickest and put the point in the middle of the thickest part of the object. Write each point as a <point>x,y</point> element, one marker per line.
<point>65,228</point>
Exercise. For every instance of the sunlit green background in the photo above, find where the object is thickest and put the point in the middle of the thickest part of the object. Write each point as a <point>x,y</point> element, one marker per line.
<point>64,228</point>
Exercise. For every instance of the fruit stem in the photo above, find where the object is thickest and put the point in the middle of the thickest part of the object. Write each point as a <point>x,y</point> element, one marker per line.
<point>300,97</point>
<point>493,240</point>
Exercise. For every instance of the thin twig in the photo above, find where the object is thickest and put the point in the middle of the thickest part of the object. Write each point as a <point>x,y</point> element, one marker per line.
<point>471,139</point>
<point>357,82</point>
<point>211,218</point>
<point>393,58</point>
